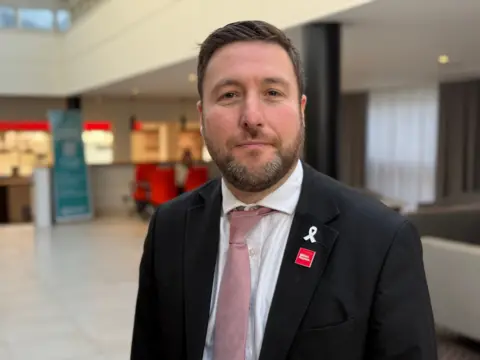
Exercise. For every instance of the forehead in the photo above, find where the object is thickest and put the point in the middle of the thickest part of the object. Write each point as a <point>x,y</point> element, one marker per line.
<point>248,60</point>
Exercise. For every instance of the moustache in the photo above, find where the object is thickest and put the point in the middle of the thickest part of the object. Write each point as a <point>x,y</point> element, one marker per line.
<point>246,137</point>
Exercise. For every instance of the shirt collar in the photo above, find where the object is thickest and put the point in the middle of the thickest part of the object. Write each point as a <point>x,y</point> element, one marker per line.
<point>283,199</point>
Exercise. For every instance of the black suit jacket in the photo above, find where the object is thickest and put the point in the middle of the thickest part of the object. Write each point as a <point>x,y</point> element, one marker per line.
<point>364,297</point>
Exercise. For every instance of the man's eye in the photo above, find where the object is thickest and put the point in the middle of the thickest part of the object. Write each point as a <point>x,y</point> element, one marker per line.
<point>229,95</point>
<point>273,93</point>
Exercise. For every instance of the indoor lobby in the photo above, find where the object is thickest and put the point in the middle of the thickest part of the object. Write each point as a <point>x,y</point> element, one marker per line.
<point>105,91</point>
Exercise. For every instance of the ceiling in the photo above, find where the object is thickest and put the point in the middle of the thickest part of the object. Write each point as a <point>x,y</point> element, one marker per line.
<point>384,43</point>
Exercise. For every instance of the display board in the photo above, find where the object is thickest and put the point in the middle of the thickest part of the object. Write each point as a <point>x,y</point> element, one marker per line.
<point>71,185</point>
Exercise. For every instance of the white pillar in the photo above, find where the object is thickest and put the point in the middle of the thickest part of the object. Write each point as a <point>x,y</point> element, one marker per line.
<point>42,198</point>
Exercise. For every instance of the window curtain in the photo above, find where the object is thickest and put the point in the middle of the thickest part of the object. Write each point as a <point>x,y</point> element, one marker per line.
<point>458,170</point>
<point>352,134</point>
<point>402,131</point>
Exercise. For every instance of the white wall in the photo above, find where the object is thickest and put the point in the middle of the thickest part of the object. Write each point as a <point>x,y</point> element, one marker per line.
<point>150,109</point>
<point>31,64</point>
<point>110,185</point>
<point>20,108</point>
<point>113,109</point>
<point>122,38</point>
<point>402,127</point>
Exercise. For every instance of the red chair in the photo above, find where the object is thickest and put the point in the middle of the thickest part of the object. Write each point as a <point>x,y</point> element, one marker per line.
<point>197,176</point>
<point>162,184</point>
<point>141,185</point>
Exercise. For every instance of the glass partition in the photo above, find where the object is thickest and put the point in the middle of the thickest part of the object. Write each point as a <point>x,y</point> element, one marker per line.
<point>36,19</point>
<point>64,21</point>
<point>8,17</point>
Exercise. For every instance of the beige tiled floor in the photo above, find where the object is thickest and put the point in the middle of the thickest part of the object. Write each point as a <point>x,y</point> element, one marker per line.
<point>69,294</point>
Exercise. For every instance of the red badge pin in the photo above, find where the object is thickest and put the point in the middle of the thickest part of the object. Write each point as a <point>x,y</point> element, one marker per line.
<point>305,257</point>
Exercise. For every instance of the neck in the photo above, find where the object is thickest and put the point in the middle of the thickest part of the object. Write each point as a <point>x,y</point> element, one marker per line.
<point>254,197</point>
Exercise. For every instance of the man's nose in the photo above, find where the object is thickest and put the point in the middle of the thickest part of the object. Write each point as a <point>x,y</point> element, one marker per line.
<point>252,116</point>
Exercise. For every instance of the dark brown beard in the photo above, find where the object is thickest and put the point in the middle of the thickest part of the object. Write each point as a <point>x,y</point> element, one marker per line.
<point>242,178</point>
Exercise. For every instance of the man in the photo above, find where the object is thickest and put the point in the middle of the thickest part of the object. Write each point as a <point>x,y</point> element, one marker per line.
<point>274,261</point>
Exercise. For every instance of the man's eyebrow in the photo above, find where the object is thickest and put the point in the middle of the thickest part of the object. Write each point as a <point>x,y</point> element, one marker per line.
<point>233,82</point>
<point>225,82</point>
<point>275,80</point>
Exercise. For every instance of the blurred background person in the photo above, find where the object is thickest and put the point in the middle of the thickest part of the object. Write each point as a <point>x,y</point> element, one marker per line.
<point>181,170</point>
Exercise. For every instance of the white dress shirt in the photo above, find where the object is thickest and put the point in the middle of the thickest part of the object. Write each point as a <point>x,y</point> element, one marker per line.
<point>266,244</point>
<point>181,173</point>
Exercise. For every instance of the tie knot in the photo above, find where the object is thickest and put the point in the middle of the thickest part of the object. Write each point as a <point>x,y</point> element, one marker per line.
<point>243,220</point>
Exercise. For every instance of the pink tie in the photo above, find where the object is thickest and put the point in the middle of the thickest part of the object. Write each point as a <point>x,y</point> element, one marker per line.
<point>231,322</point>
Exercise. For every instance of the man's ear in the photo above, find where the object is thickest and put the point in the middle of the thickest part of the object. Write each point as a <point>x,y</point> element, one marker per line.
<point>303,105</point>
<point>200,115</point>
<point>200,107</point>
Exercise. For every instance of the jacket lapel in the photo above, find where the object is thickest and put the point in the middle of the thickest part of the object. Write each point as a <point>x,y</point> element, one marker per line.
<point>296,283</point>
<point>201,248</point>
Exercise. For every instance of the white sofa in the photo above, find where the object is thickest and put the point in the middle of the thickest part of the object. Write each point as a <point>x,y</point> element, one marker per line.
<point>453,273</point>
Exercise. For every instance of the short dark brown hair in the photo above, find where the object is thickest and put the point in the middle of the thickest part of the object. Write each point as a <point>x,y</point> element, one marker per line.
<point>247,31</point>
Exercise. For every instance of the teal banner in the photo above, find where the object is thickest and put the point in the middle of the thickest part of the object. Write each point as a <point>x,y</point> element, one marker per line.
<point>70,173</point>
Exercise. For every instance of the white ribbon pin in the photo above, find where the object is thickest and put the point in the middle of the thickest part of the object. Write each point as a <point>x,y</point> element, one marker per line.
<point>311,233</point>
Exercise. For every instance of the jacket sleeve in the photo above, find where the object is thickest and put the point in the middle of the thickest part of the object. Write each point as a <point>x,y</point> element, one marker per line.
<point>402,325</point>
<point>145,342</point>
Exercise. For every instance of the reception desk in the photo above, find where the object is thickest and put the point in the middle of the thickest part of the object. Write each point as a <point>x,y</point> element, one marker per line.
<point>15,200</point>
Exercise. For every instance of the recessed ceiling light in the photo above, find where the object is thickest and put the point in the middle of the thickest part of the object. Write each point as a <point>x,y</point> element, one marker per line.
<point>192,77</point>
<point>443,59</point>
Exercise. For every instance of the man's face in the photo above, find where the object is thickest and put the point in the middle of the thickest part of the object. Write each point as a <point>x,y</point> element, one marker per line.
<point>252,118</point>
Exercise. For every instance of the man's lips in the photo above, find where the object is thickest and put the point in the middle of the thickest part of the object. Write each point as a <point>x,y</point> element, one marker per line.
<point>253,144</point>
